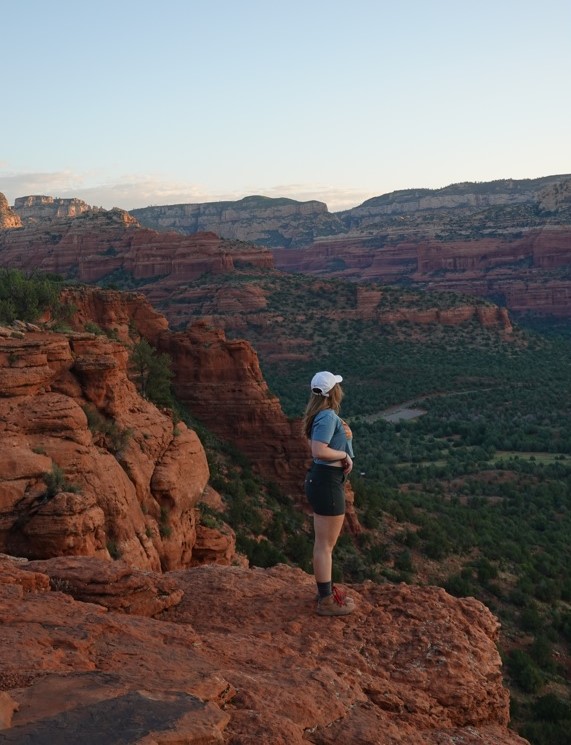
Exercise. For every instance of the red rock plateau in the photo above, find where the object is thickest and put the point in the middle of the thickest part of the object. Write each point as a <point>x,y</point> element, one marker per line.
<point>239,657</point>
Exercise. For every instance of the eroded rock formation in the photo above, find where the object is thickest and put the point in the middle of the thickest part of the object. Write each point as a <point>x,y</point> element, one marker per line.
<point>41,209</point>
<point>98,244</point>
<point>87,466</point>
<point>507,239</point>
<point>8,218</point>
<point>243,658</point>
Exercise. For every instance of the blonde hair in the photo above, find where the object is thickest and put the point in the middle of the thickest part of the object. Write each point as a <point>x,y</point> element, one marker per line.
<point>318,403</point>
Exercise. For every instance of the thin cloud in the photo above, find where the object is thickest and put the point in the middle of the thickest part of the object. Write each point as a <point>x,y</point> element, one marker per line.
<point>14,185</point>
<point>136,190</point>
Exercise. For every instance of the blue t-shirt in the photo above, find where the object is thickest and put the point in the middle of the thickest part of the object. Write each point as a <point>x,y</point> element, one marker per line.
<point>327,427</point>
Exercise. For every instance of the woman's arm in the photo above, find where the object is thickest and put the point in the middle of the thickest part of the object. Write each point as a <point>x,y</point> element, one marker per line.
<point>322,451</point>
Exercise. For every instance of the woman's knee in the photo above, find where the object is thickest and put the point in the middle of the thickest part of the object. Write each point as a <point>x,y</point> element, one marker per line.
<point>322,546</point>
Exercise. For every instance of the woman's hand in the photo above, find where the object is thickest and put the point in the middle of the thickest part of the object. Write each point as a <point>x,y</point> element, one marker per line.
<point>347,465</point>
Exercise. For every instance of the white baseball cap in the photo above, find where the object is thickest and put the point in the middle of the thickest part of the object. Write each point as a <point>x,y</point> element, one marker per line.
<point>323,382</point>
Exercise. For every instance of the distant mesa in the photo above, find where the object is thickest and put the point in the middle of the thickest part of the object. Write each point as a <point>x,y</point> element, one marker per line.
<point>262,220</point>
<point>38,208</point>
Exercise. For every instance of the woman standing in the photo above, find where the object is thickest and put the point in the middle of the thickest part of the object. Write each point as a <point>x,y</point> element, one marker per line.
<point>332,451</point>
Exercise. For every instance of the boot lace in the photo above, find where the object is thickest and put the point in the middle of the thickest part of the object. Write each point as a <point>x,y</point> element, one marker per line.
<point>339,596</point>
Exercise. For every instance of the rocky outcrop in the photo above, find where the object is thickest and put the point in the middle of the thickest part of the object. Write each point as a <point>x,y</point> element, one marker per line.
<point>111,244</point>
<point>259,220</point>
<point>121,314</point>
<point>87,466</point>
<point>221,382</point>
<point>8,218</point>
<point>41,209</point>
<point>140,476</point>
<point>113,585</point>
<point>243,659</point>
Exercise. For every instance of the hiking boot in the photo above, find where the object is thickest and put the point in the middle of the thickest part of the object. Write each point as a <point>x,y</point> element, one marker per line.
<point>341,594</point>
<point>336,604</point>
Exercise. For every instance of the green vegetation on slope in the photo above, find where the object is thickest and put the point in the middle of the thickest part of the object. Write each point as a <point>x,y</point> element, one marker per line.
<point>26,298</point>
<point>474,495</point>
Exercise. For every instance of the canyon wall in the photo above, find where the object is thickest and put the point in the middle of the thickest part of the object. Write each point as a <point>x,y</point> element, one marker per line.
<point>260,220</point>
<point>111,243</point>
<point>507,240</point>
<point>530,272</point>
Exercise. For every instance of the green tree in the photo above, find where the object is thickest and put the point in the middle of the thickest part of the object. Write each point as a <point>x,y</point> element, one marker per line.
<point>153,373</point>
<point>25,298</point>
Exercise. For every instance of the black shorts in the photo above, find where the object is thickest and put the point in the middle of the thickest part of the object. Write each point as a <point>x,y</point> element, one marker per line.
<point>325,489</point>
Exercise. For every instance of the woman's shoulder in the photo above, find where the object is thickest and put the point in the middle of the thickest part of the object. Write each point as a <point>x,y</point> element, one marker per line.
<point>325,414</point>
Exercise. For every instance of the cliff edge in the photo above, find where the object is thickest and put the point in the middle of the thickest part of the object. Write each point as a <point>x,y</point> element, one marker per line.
<point>243,659</point>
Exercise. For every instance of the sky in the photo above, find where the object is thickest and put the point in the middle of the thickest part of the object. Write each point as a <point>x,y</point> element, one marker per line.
<point>131,103</point>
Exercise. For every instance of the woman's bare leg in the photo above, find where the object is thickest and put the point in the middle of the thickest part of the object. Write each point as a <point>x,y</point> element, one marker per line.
<point>327,529</point>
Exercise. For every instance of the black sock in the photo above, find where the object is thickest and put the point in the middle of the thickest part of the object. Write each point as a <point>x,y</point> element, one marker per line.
<point>325,589</point>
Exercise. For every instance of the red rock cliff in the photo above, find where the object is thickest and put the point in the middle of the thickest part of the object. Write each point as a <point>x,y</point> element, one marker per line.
<point>530,272</point>
<point>221,382</point>
<point>96,244</point>
<point>87,466</point>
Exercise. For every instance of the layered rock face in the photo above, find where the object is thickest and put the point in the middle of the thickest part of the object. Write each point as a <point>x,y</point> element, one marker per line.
<point>507,239</point>
<point>119,313</point>
<point>221,382</point>
<point>87,466</point>
<point>242,658</point>
<point>528,273</point>
<point>477,238</point>
<point>218,379</point>
<point>458,199</point>
<point>37,209</point>
<point>259,220</point>
<point>111,243</point>
<point>8,218</point>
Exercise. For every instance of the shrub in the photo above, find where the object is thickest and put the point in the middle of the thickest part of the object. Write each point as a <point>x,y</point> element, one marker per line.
<point>525,674</point>
<point>56,482</point>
